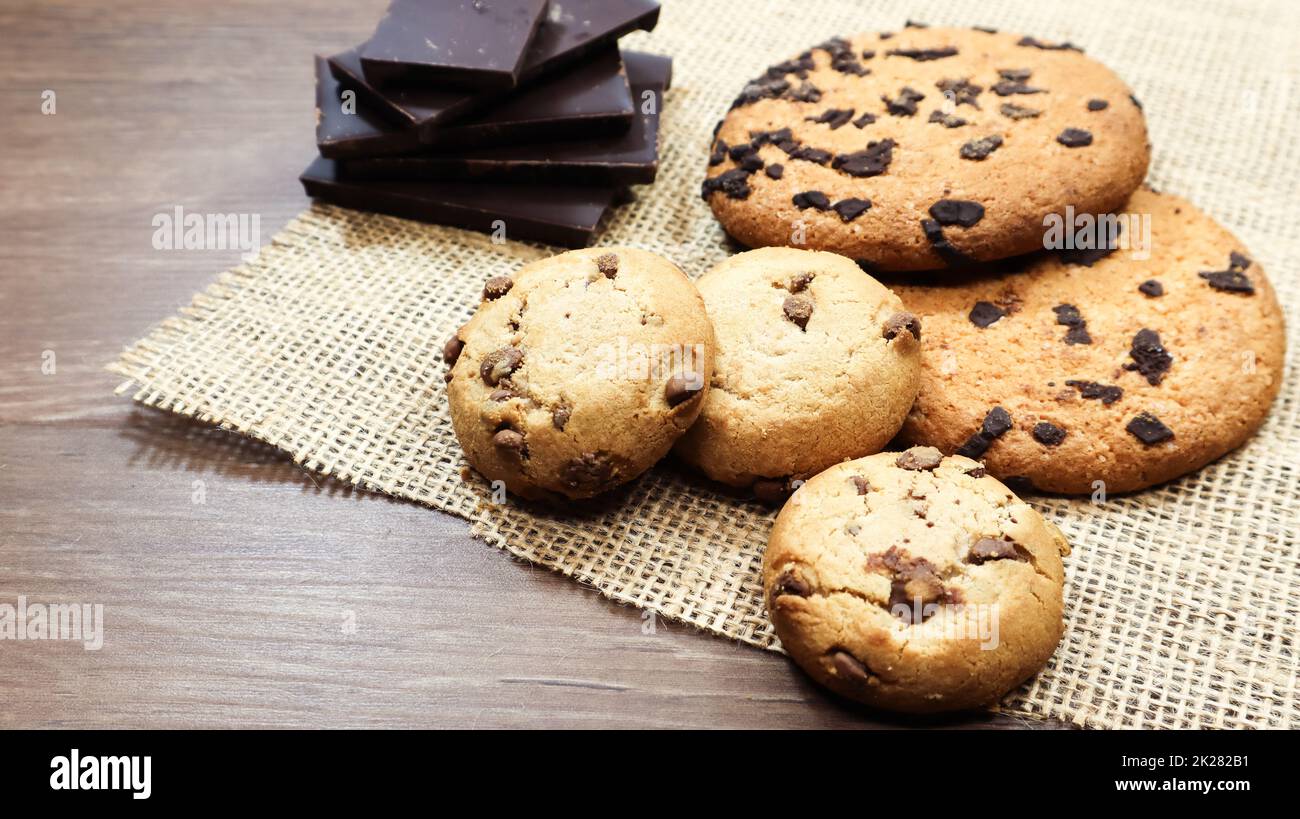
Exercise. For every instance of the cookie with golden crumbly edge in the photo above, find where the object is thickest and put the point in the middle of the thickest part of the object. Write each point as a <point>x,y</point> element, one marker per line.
<point>914,582</point>
<point>579,372</point>
<point>1088,370</point>
<point>924,149</point>
<point>817,363</point>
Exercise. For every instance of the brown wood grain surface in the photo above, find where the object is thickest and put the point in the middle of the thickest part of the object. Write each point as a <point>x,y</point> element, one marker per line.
<point>239,590</point>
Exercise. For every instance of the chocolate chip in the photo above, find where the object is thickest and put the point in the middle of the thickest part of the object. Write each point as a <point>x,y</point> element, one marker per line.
<point>905,104</point>
<point>809,154</point>
<point>775,171</point>
<point>975,447</point>
<point>502,395</point>
<point>734,183</point>
<point>996,423</point>
<point>1013,111</point>
<point>961,91</point>
<point>834,117</point>
<point>1068,315</point>
<point>1151,288</point>
<point>752,163</point>
<point>1048,434</point>
<point>719,154</point>
<point>798,309</point>
<point>850,209</point>
<point>806,92</point>
<point>915,583</point>
<point>1006,88</point>
<point>451,350</point>
<point>864,120</point>
<point>868,54</point>
<point>989,548</point>
<point>682,388</point>
<point>919,458</point>
<point>560,416</point>
<point>811,199</point>
<point>961,212</point>
<point>761,138</point>
<point>590,471</point>
<point>1150,359</point>
<point>985,313</point>
<point>900,322</point>
<point>789,584</point>
<point>510,440</point>
<point>1092,390</point>
<point>946,120</point>
<point>496,287</point>
<point>500,364</point>
<point>764,89</point>
<point>1237,261</point>
<point>739,152</point>
<point>943,248</point>
<point>1030,42</point>
<point>1074,138</point>
<point>861,484</point>
<point>923,55</point>
<point>977,472</point>
<point>979,149</point>
<point>985,29</point>
<point>772,491</point>
<point>1232,280</point>
<point>1098,105</point>
<point>852,670</point>
<point>1148,429</point>
<point>1086,257</point>
<point>871,162</point>
<point>607,264</point>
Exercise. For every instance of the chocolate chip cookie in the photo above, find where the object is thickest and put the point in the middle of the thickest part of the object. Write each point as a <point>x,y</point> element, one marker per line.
<point>1102,368</point>
<point>924,149</point>
<point>914,582</point>
<point>579,372</point>
<point>817,362</point>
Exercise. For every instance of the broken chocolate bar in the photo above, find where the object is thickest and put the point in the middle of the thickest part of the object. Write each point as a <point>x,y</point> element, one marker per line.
<point>565,216</point>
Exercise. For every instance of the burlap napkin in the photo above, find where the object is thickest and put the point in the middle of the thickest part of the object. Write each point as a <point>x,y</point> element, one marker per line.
<point>1182,601</point>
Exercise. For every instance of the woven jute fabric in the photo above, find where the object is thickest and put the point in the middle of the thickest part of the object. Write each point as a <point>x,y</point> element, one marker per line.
<point>1182,600</point>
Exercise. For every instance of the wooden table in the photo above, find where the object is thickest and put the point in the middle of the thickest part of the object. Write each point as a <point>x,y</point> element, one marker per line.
<point>238,590</point>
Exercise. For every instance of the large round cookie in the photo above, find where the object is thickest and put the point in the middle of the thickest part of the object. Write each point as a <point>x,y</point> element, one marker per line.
<point>817,362</point>
<point>1078,369</point>
<point>579,373</point>
<point>914,582</point>
<point>924,149</point>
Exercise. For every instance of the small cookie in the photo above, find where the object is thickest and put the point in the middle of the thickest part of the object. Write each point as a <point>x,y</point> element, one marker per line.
<point>579,372</point>
<point>929,148</point>
<point>1089,365</point>
<point>914,582</point>
<point>817,362</point>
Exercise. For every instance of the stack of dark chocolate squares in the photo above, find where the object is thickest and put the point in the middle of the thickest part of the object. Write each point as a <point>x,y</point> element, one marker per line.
<point>515,116</point>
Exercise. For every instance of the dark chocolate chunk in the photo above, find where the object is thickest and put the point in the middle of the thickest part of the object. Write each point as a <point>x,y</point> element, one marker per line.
<point>1150,359</point>
<point>1013,111</point>
<point>943,248</point>
<point>451,350</point>
<point>923,55</point>
<point>861,484</point>
<point>607,264</point>
<point>774,171</point>
<point>809,154</point>
<point>789,583</point>
<point>798,310</point>
<point>718,156</point>
<point>560,416</point>
<point>863,121</point>
<point>869,54</point>
<point>915,583</point>
<point>1039,44</point>
<point>509,439</point>
<point>1005,88</point>
<point>977,472</point>
<point>996,423</point>
<point>799,282</point>
<point>1086,257</point>
<point>1098,105</point>
<point>905,104</point>
<point>760,138</point>
<point>961,91</point>
<point>502,395</point>
<point>902,322</point>
<point>734,183</point>
<point>1074,138</point>
<point>751,163</point>
<point>764,89</point>
<point>979,149</point>
<point>1091,389</point>
<point>989,548</point>
<point>961,212</point>
<point>428,41</point>
<point>851,669</point>
<point>500,364</point>
<point>975,447</point>
<point>850,209</point>
<point>739,152</point>
<point>1232,280</point>
<point>1148,429</point>
<point>920,459</point>
<point>806,92</point>
<point>946,120</point>
<point>1151,288</point>
<point>811,199</point>
<point>682,388</point>
<point>1048,434</point>
<point>1069,315</point>
<point>496,287</point>
<point>590,471</point>
<point>871,162</point>
<point>834,117</point>
<point>1238,261</point>
<point>985,313</point>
